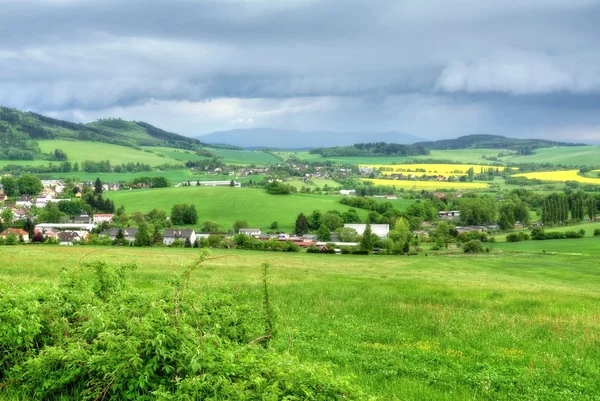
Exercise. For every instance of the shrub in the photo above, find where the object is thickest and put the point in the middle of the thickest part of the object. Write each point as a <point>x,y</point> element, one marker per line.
<point>597,232</point>
<point>516,237</point>
<point>473,246</point>
<point>573,234</point>
<point>104,339</point>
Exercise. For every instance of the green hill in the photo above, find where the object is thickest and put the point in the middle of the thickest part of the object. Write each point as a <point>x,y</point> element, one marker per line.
<point>225,205</point>
<point>19,131</point>
<point>524,146</point>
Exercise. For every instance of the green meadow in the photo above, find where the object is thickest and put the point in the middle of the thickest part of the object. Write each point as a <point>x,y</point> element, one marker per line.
<point>225,205</point>
<point>583,246</point>
<point>78,151</point>
<point>500,326</point>
<point>588,227</point>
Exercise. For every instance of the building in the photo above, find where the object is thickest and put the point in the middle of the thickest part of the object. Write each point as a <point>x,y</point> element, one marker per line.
<point>68,237</point>
<point>236,184</point>
<point>250,231</point>
<point>128,233</point>
<point>25,201</point>
<point>17,232</point>
<point>381,230</point>
<point>173,234</point>
<point>83,219</point>
<point>102,218</point>
<point>44,227</point>
<point>449,214</point>
<point>348,192</point>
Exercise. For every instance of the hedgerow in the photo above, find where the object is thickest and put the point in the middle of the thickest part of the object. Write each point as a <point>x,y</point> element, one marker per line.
<point>100,338</point>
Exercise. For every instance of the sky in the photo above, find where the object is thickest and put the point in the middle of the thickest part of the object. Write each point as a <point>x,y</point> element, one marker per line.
<point>431,68</point>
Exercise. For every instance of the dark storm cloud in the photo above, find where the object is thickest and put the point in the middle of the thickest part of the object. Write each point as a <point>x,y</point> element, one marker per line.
<point>65,55</point>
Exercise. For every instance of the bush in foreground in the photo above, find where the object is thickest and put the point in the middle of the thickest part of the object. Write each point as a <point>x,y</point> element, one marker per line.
<point>102,339</point>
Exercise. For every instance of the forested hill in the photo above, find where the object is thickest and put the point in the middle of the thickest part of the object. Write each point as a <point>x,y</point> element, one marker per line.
<point>372,149</point>
<point>29,126</point>
<point>492,142</point>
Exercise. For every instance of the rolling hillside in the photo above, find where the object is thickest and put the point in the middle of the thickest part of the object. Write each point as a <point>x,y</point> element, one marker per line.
<point>225,205</point>
<point>29,126</point>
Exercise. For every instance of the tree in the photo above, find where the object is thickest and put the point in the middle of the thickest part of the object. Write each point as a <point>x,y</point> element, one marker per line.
<point>506,216</point>
<point>7,216</point>
<point>323,233</point>
<point>184,214</point>
<point>239,224</point>
<point>142,236</point>
<point>347,234</point>
<point>50,214</point>
<point>301,224</point>
<point>38,237</point>
<point>332,221</point>
<point>314,220</point>
<point>210,226</point>
<point>366,242</point>
<point>351,217</point>
<point>274,225</point>
<point>10,185</point>
<point>98,186</point>
<point>29,227</point>
<point>29,185</point>
<point>188,243</point>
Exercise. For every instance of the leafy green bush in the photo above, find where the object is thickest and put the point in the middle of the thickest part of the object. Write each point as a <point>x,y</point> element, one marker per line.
<point>473,246</point>
<point>103,339</point>
<point>597,232</point>
<point>516,237</point>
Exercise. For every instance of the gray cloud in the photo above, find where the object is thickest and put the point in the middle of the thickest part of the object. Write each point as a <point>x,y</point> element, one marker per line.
<point>378,63</point>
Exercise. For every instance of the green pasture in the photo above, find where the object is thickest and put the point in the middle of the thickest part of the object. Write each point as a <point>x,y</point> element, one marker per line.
<point>245,157</point>
<point>181,155</point>
<point>175,176</point>
<point>314,183</point>
<point>503,326</point>
<point>584,246</point>
<point>78,151</point>
<point>225,205</point>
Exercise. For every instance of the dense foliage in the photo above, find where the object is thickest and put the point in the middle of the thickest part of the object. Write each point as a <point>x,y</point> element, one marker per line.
<point>99,338</point>
<point>522,146</point>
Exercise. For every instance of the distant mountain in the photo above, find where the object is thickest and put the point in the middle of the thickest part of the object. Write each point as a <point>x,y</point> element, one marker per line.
<point>492,142</point>
<point>28,126</point>
<point>291,139</point>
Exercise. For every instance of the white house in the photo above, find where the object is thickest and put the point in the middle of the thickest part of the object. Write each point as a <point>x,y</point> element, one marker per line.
<point>381,230</point>
<point>250,231</point>
<point>43,227</point>
<point>128,233</point>
<point>101,218</point>
<point>26,201</point>
<point>173,234</point>
<point>348,192</point>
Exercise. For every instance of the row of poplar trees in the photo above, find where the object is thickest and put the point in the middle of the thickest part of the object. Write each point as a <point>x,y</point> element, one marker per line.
<point>556,207</point>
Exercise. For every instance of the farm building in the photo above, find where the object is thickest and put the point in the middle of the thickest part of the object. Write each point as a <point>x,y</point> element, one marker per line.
<point>381,230</point>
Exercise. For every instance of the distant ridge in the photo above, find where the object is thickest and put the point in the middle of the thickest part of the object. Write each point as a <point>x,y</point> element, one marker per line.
<point>257,138</point>
<point>482,141</point>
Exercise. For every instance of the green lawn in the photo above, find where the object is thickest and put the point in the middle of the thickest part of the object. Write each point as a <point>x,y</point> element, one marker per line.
<point>490,327</point>
<point>181,155</point>
<point>78,151</point>
<point>225,205</point>
<point>585,246</point>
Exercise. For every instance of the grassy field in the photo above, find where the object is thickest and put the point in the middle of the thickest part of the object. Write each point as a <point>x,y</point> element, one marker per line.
<point>569,155</point>
<point>245,157</point>
<point>181,155</point>
<point>492,327</point>
<point>315,183</point>
<point>97,151</point>
<point>225,205</point>
<point>584,246</point>
<point>429,185</point>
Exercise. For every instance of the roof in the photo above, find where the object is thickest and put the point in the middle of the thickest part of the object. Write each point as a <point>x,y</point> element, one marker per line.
<point>103,215</point>
<point>176,233</point>
<point>14,231</point>
<point>127,232</point>
<point>67,236</point>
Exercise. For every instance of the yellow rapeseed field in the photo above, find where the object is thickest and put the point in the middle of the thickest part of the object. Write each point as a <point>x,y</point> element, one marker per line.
<point>429,185</point>
<point>567,175</point>
<point>431,169</point>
